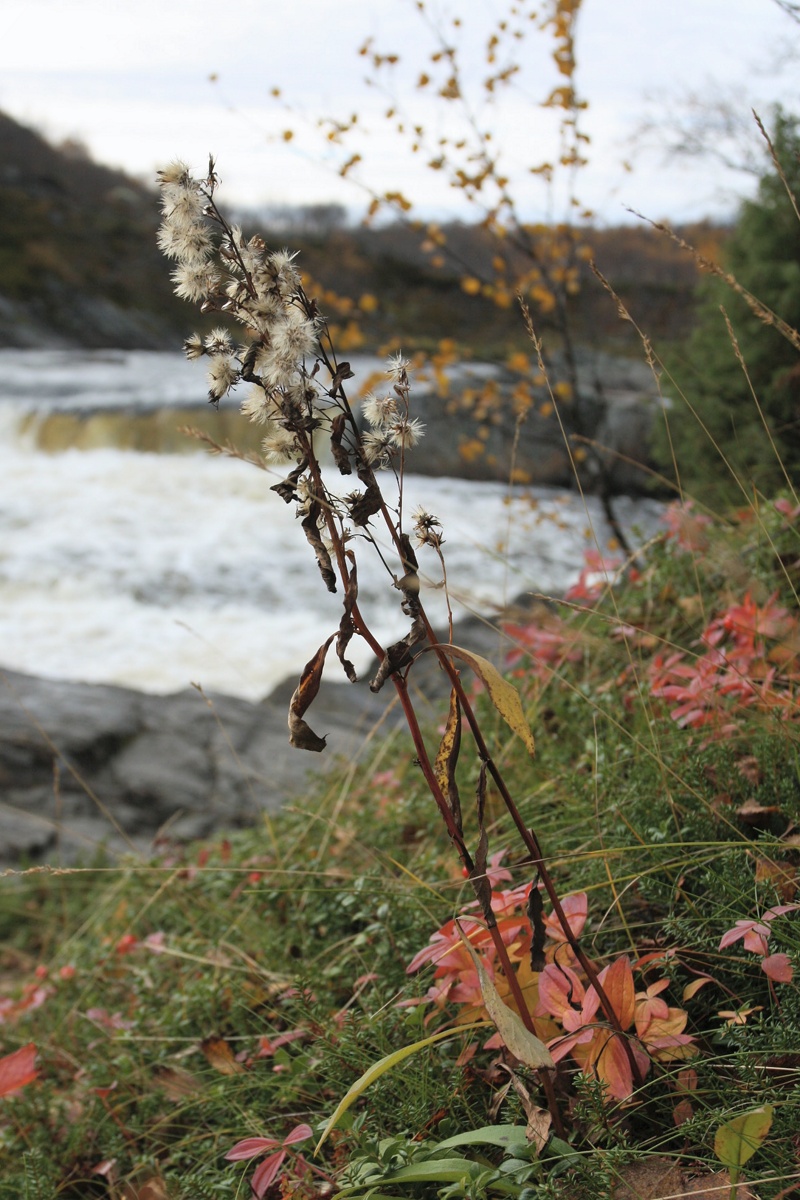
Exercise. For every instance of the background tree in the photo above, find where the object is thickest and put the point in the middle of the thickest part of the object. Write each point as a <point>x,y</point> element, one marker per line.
<point>743,381</point>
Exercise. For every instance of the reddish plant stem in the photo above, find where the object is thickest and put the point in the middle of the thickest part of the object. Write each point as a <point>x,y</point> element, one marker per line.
<point>456,837</point>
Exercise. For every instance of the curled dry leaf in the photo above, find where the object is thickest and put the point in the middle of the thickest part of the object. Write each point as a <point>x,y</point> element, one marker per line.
<point>341,373</point>
<point>399,654</point>
<point>310,526</point>
<point>539,1120</point>
<point>339,452</point>
<point>535,911</point>
<point>346,627</point>
<point>301,735</point>
<point>287,488</point>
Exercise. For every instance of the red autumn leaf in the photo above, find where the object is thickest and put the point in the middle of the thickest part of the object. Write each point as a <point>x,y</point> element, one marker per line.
<point>267,1173</point>
<point>778,967</point>
<point>17,1069</point>
<point>300,1133</point>
<point>250,1147</point>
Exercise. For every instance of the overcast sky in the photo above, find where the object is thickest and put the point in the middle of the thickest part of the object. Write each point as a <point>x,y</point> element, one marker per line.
<point>133,80</point>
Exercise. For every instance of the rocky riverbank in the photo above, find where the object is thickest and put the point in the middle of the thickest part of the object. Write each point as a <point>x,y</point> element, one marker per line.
<point>86,768</point>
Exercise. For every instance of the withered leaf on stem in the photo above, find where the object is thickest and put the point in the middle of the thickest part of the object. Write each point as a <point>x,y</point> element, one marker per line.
<point>399,655</point>
<point>447,757</point>
<point>346,626</point>
<point>311,530</point>
<point>396,657</point>
<point>301,735</point>
<point>287,488</point>
<point>363,505</point>
<point>339,452</point>
<point>342,372</point>
<point>480,880</point>
<point>503,695</point>
<point>536,918</point>
<point>523,1044</point>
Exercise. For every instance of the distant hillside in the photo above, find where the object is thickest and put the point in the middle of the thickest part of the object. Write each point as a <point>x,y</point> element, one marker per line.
<point>79,266</point>
<point>78,260</point>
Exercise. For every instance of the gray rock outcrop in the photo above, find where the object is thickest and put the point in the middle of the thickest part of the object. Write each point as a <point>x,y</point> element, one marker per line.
<point>85,767</point>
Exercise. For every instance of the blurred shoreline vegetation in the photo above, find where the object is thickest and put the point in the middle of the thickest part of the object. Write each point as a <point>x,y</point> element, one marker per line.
<point>79,267</point>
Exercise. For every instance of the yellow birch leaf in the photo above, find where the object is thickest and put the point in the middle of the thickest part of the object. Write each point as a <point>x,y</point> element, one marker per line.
<point>503,695</point>
<point>737,1140</point>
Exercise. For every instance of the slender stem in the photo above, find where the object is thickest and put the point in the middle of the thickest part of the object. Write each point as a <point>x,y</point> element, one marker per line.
<point>528,836</point>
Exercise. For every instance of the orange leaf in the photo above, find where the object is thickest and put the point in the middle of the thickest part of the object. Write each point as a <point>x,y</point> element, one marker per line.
<point>610,1063</point>
<point>218,1052</point>
<point>693,988</point>
<point>617,981</point>
<point>17,1069</point>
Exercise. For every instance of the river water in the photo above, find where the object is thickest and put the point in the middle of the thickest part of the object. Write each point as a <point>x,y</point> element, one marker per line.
<point>129,555</point>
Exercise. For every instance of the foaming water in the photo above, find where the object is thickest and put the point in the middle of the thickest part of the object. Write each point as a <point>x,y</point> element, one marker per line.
<point>156,570</point>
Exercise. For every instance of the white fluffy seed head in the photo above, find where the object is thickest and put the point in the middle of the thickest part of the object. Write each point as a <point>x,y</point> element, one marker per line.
<point>379,411</point>
<point>222,374</point>
<point>258,406</point>
<point>194,281</point>
<point>407,433</point>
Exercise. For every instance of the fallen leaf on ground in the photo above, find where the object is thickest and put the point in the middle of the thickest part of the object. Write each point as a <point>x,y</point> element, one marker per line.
<point>17,1069</point>
<point>220,1055</point>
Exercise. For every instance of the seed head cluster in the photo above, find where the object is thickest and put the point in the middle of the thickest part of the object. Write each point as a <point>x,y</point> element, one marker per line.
<point>284,352</point>
<point>217,267</point>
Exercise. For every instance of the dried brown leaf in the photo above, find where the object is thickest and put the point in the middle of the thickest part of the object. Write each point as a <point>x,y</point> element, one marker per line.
<point>781,875</point>
<point>176,1083</point>
<point>363,505</point>
<point>753,813</point>
<point>287,488</point>
<point>539,1120</point>
<point>153,1188</point>
<point>346,626</point>
<point>341,373</point>
<point>311,530</point>
<point>535,912</point>
<point>339,452</point>
<point>301,735</point>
